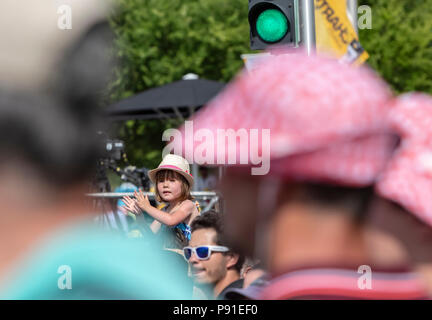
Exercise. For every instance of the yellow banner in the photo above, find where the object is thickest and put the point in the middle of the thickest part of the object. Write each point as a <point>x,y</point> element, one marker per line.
<point>335,33</point>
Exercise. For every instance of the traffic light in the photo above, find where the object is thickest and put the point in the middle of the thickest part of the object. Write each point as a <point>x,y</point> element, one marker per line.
<point>272,22</point>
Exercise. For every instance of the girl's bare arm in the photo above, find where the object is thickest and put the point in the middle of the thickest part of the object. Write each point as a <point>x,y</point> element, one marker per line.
<point>169,219</point>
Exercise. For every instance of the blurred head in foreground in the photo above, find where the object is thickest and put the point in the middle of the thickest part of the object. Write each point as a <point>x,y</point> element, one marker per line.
<point>49,246</point>
<point>46,161</point>
<point>45,151</point>
<point>329,142</point>
<point>50,249</point>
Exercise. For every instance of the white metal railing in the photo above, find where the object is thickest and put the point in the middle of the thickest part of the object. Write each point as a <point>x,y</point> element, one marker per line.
<point>213,196</point>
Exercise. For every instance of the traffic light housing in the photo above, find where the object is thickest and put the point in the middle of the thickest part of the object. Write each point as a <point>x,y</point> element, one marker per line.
<point>272,22</point>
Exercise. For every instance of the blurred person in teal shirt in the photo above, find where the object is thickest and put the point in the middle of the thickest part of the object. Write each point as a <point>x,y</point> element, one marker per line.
<point>49,246</point>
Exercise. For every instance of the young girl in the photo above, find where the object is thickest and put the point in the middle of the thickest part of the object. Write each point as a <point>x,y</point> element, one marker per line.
<point>173,183</point>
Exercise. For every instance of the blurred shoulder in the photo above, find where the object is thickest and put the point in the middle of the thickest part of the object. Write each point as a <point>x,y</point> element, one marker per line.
<point>102,266</point>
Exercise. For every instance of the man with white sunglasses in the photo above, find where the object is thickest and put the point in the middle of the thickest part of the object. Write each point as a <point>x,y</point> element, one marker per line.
<point>214,266</point>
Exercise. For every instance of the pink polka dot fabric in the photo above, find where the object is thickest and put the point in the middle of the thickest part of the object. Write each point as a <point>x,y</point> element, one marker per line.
<point>408,177</point>
<point>327,120</point>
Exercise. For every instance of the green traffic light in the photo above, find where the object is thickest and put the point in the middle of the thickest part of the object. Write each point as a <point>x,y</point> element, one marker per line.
<point>271,25</point>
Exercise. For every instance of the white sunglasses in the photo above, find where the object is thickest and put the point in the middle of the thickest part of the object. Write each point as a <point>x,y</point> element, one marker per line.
<point>202,252</point>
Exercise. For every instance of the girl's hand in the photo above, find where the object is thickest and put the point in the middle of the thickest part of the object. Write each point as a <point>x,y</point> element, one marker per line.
<point>142,200</point>
<point>131,205</point>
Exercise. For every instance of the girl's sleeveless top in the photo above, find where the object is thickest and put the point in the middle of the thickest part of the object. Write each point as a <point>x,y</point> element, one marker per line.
<point>183,228</point>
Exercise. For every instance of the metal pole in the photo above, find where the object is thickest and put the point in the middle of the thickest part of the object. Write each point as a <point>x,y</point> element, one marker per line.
<point>307,25</point>
<point>221,171</point>
<point>352,6</point>
<point>195,175</point>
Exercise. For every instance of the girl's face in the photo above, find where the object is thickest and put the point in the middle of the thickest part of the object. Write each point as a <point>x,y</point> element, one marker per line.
<point>170,188</point>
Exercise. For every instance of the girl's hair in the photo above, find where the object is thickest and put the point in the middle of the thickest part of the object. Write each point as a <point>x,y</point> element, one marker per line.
<point>170,174</point>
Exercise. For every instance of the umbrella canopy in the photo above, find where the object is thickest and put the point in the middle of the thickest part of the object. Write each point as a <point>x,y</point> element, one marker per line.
<point>178,99</point>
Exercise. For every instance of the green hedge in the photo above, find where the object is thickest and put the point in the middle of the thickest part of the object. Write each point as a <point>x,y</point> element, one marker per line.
<point>400,43</point>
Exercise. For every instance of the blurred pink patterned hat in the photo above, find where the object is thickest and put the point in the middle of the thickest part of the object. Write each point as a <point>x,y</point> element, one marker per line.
<point>408,178</point>
<point>327,120</point>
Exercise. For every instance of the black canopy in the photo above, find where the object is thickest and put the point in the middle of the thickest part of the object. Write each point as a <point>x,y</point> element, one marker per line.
<point>179,99</point>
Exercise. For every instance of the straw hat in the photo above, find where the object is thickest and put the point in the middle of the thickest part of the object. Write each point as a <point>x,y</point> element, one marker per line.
<point>175,163</point>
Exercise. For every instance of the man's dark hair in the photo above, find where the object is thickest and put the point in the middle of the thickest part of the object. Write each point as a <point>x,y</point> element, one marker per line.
<point>214,220</point>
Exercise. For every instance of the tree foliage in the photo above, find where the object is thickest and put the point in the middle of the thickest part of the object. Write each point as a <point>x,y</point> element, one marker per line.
<point>158,42</point>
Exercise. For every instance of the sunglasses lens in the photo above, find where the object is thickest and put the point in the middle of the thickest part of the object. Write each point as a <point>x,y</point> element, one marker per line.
<point>187,253</point>
<point>202,252</point>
